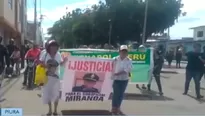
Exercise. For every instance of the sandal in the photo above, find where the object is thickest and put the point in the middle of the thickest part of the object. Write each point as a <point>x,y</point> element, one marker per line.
<point>114,111</point>
<point>55,114</point>
<point>121,113</point>
<point>49,114</point>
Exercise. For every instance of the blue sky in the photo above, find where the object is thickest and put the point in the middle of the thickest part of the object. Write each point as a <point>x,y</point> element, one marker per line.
<point>54,10</point>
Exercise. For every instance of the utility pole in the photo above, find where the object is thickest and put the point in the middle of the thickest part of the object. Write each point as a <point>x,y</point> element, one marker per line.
<point>35,19</point>
<point>41,19</point>
<point>110,32</point>
<point>145,22</point>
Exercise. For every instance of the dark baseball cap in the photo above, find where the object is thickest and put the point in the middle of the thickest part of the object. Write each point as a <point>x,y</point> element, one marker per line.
<point>91,77</point>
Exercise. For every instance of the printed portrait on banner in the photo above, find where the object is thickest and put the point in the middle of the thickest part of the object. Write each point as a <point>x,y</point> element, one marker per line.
<point>87,79</point>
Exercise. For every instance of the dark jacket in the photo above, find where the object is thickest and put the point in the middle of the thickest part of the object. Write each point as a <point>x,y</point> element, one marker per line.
<point>158,62</point>
<point>10,49</point>
<point>3,55</point>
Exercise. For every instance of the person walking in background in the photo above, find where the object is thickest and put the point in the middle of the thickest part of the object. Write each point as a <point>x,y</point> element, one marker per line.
<point>178,57</point>
<point>10,49</point>
<point>169,57</point>
<point>3,55</point>
<point>33,55</point>
<point>203,57</point>
<point>122,69</point>
<point>158,63</point>
<point>22,54</point>
<point>16,57</point>
<point>194,68</point>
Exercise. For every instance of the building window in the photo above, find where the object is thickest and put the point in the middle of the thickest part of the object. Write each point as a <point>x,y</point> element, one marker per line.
<point>10,3</point>
<point>200,34</point>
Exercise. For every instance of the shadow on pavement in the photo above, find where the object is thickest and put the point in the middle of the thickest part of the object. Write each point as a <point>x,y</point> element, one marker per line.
<point>199,100</point>
<point>9,86</point>
<point>145,95</point>
<point>8,81</point>
<point>85,112</point>
<point>165,77</point>
<point>202,88</point>
<point>2,100</point>
<point>173,67</point>
<point>169,72</point>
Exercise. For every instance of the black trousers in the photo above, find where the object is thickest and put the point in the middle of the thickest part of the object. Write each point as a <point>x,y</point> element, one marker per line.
<point>196,75</point>
<point>156,73</point>
<point>2,66</point>
<point>178,63</point>
<point>29,80</point>
<point>22,63</point>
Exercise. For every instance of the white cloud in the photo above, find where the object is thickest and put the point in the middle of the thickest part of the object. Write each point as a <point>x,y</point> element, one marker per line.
<point>195,17</point>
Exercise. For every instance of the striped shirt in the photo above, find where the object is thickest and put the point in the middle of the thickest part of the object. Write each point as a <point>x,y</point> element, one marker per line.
<point>122,65</point>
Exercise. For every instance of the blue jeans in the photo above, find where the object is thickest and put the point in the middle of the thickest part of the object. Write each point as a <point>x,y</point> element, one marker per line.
<point>196,75</point>
<point>119,87</point>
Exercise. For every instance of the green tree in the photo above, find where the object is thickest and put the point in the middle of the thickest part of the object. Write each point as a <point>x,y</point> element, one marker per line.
<point>126,17</point>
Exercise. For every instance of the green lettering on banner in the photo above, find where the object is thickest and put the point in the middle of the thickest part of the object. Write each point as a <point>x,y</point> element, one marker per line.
<point>141,62</point>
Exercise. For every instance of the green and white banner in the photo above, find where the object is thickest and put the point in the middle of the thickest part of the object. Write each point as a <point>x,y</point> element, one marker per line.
<point>142,62</point>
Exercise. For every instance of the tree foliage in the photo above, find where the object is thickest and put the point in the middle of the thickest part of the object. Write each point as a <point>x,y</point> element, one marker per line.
<point>124,17</point>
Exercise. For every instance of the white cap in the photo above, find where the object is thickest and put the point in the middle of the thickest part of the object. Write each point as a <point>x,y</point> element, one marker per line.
<point>123,47</point>
<point>141,46</point>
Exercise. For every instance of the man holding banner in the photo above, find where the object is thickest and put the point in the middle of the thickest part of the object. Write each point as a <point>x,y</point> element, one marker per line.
<point>122,68</point>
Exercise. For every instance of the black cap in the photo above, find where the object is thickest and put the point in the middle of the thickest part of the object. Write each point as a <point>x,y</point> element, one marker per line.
<point>91,77</point>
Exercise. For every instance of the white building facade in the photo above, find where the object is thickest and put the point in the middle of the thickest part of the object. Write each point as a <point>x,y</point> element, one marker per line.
<point>199,33</point>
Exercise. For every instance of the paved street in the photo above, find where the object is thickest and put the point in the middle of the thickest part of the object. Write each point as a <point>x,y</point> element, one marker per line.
<point>173,102</point>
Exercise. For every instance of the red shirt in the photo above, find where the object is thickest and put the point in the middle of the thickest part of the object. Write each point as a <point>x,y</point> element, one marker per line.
<point>33,53</point>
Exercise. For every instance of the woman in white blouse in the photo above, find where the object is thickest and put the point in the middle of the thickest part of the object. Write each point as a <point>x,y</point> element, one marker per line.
<point>51,89</point>
<point>122,69</point>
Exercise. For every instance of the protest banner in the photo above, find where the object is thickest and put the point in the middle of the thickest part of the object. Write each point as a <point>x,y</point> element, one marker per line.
<point>142,62</point>
<point>87,79</point>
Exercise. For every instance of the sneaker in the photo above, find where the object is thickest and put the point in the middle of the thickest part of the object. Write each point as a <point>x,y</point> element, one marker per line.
<point>161,93</point>
<point>24,84</point>
<point>184,93</point>
<point>143,87</point>
<point>199,97</point>
<point>120,112</point>
<point>114,111</point>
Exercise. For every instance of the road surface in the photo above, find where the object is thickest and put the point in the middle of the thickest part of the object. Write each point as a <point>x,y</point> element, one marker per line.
<point>136,103</point>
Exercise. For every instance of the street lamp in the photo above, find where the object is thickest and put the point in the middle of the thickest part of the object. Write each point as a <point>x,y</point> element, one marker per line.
<point>110,31</point>
<point>145,22</point>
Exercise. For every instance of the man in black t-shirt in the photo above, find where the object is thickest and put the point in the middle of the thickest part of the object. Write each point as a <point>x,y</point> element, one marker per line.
<point>193,69</point>
<point>203,57</point>
<point>3,56</point>
<point>10,49</point>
